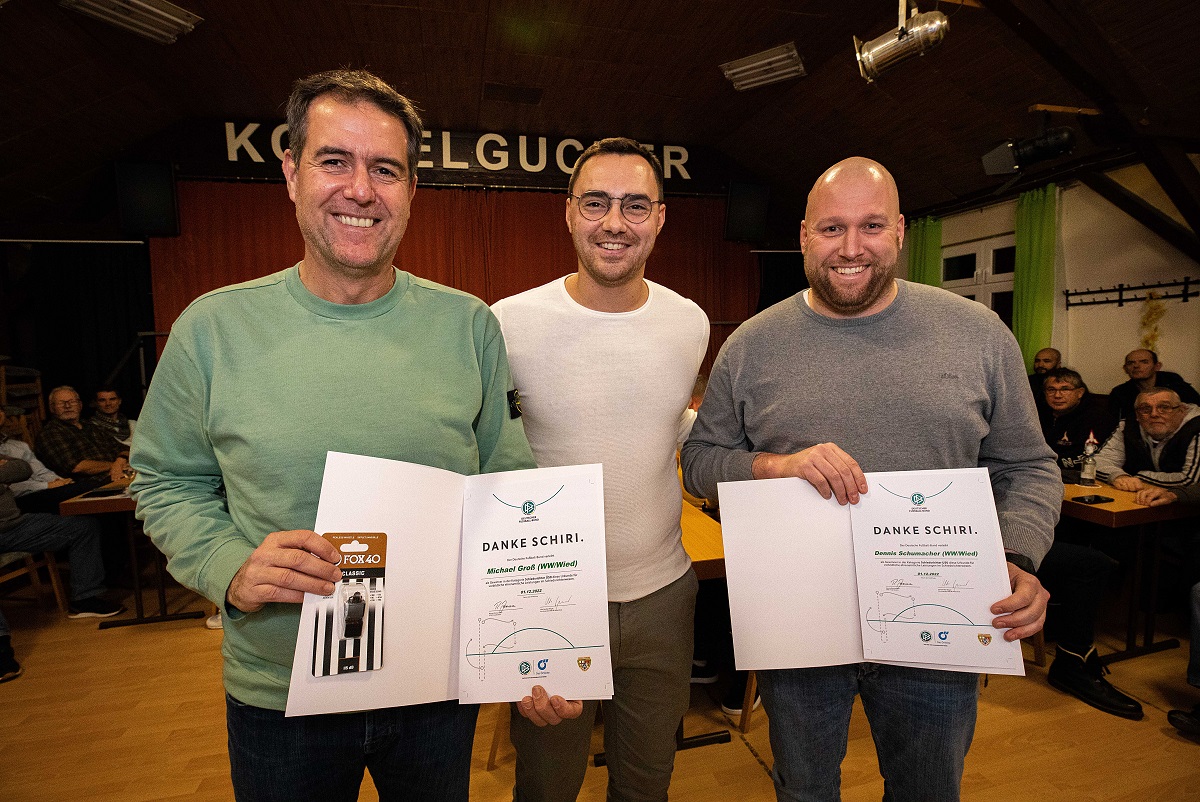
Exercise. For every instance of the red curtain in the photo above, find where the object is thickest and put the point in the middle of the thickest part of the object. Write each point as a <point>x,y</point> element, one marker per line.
<point>489,243</point>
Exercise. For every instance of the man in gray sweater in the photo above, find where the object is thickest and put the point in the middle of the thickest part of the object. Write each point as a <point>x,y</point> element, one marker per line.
<point>866,373</point>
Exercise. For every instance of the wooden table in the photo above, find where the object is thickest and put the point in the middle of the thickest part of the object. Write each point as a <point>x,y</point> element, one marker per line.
<point>1121,512</point>
<point>702,541</point>
<point>114,498</point>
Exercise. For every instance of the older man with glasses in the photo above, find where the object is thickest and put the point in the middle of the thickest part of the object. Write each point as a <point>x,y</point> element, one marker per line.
<point>78,448</point>
<point>1160,450</point>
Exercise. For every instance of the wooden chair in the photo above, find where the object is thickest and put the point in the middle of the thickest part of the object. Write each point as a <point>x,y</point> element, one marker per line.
<point>22,387</point>
<point>1038,642</point>
<point>28,565</point>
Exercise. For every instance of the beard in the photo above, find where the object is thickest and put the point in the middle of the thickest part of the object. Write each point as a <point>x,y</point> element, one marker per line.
<point>842,301</point>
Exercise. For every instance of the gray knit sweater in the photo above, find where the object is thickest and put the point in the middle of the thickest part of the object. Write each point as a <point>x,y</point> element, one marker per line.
<point>932,381</point>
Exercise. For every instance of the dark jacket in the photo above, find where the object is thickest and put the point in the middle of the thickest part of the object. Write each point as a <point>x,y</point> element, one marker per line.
<point>1067,433</point>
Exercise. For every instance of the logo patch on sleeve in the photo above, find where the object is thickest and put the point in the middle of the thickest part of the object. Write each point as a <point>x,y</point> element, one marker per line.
<point>514,404</point>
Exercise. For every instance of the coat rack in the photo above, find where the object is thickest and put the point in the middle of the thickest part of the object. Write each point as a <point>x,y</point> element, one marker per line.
<point>1129,293</point>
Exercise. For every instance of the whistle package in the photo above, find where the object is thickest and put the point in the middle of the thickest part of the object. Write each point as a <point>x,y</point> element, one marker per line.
<point>348,636</point>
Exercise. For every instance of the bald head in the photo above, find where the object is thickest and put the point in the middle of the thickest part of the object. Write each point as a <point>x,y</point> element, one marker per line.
<point>1046,360</point>
<point>855,170</point>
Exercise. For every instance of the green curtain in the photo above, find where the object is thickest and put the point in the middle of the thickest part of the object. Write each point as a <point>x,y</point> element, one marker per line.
<point>925,251</point>
<point>1033,276</point>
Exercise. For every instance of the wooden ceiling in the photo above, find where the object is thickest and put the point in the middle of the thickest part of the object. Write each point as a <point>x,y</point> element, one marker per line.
<point>76,93</point>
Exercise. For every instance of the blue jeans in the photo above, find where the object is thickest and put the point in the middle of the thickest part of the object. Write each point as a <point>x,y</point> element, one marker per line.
<point>921,720</point>
<point>420,753</point>
<point>79,535</point>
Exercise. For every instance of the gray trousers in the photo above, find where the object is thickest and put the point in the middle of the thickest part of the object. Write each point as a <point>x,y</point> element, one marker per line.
<point>650,640</point>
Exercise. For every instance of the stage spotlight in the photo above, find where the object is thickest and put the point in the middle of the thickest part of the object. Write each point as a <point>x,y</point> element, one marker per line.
<point>922,32</point>
<point>1011,156</point>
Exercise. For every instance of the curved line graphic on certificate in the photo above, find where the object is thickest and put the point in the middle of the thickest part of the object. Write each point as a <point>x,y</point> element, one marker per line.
<point>895,608</point>
<point>538,639</point>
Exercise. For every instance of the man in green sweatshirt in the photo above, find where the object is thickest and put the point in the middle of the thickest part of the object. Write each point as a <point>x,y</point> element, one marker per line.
<point>230,446</point>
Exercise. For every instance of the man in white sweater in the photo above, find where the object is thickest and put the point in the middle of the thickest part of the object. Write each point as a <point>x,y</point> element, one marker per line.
<point>604,362</point>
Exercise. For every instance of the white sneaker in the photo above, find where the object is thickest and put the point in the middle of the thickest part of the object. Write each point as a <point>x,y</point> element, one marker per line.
<point>213,621</point>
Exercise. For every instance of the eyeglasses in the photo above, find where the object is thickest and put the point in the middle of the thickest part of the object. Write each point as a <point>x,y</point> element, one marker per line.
<point>1061,390</point>
<point>1161,409</point>
<point>595,205</point>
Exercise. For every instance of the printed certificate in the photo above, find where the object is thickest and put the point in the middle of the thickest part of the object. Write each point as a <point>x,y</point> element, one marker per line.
<point>534,598</point>
<point>405,526</point>
<point>930,564</point>
<point>802,594</point>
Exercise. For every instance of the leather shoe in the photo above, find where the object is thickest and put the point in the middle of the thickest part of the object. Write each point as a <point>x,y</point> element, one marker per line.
<point>1186,721</point>
<point>1083,678</point>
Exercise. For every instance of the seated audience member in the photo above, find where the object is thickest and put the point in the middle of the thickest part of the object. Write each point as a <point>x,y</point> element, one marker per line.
<point>38,532</point>
<point>108,416</point>
<point>1076,574</point>
<point>1145,372</point>
<point>1071,414</point>
<point>44,489</point>
<point>78,448</point>
<point>1158,448</point>
<point>1044,361</point>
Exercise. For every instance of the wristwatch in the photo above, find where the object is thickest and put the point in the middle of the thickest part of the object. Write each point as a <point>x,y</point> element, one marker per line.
<point>356,609</point>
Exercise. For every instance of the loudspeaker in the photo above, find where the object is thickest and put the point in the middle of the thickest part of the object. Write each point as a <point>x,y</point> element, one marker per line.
<point>746,212</point>
<point>146,203</point>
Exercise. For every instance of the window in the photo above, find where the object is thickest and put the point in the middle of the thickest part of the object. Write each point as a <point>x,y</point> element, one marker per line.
<point>982,271</point>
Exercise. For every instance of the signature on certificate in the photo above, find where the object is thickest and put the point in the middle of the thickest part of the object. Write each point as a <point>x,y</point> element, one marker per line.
<point>555,603</point>
<point>501,607</point>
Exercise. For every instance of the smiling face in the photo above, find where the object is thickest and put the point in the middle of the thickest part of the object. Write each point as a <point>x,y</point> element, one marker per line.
<point>612,251</point>
<point>352,188</point>
<point>851,237</point>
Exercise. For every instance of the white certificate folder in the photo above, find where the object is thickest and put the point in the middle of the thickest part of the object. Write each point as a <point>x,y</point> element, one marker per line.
<point>547,521</point>
<point>800,596</point>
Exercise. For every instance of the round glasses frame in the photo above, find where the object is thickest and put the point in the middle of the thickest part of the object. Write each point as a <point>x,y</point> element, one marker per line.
<point>596,205</point>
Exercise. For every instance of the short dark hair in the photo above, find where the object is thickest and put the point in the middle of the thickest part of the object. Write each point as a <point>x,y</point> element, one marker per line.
<point>352,86</point>
<point>1064,375</point>
<point>621,146</point>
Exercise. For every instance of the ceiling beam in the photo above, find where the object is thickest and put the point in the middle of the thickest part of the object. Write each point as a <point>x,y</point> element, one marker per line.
<point>1068,40</point>
<point>1137,208</point>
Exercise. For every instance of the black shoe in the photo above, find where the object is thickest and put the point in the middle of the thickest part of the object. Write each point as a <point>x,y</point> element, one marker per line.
<point>93,607</point>
<point>1083,678</point>
<point>9,667</point>
<point>1186,721</point>
<point>702,673</point>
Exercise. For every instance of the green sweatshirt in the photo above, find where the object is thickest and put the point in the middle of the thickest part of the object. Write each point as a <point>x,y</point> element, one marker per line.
<point>258,381</point>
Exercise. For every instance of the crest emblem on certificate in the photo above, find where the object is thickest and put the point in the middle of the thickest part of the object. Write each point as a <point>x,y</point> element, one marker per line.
<point>584,663</point>
<point>985,639</point>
